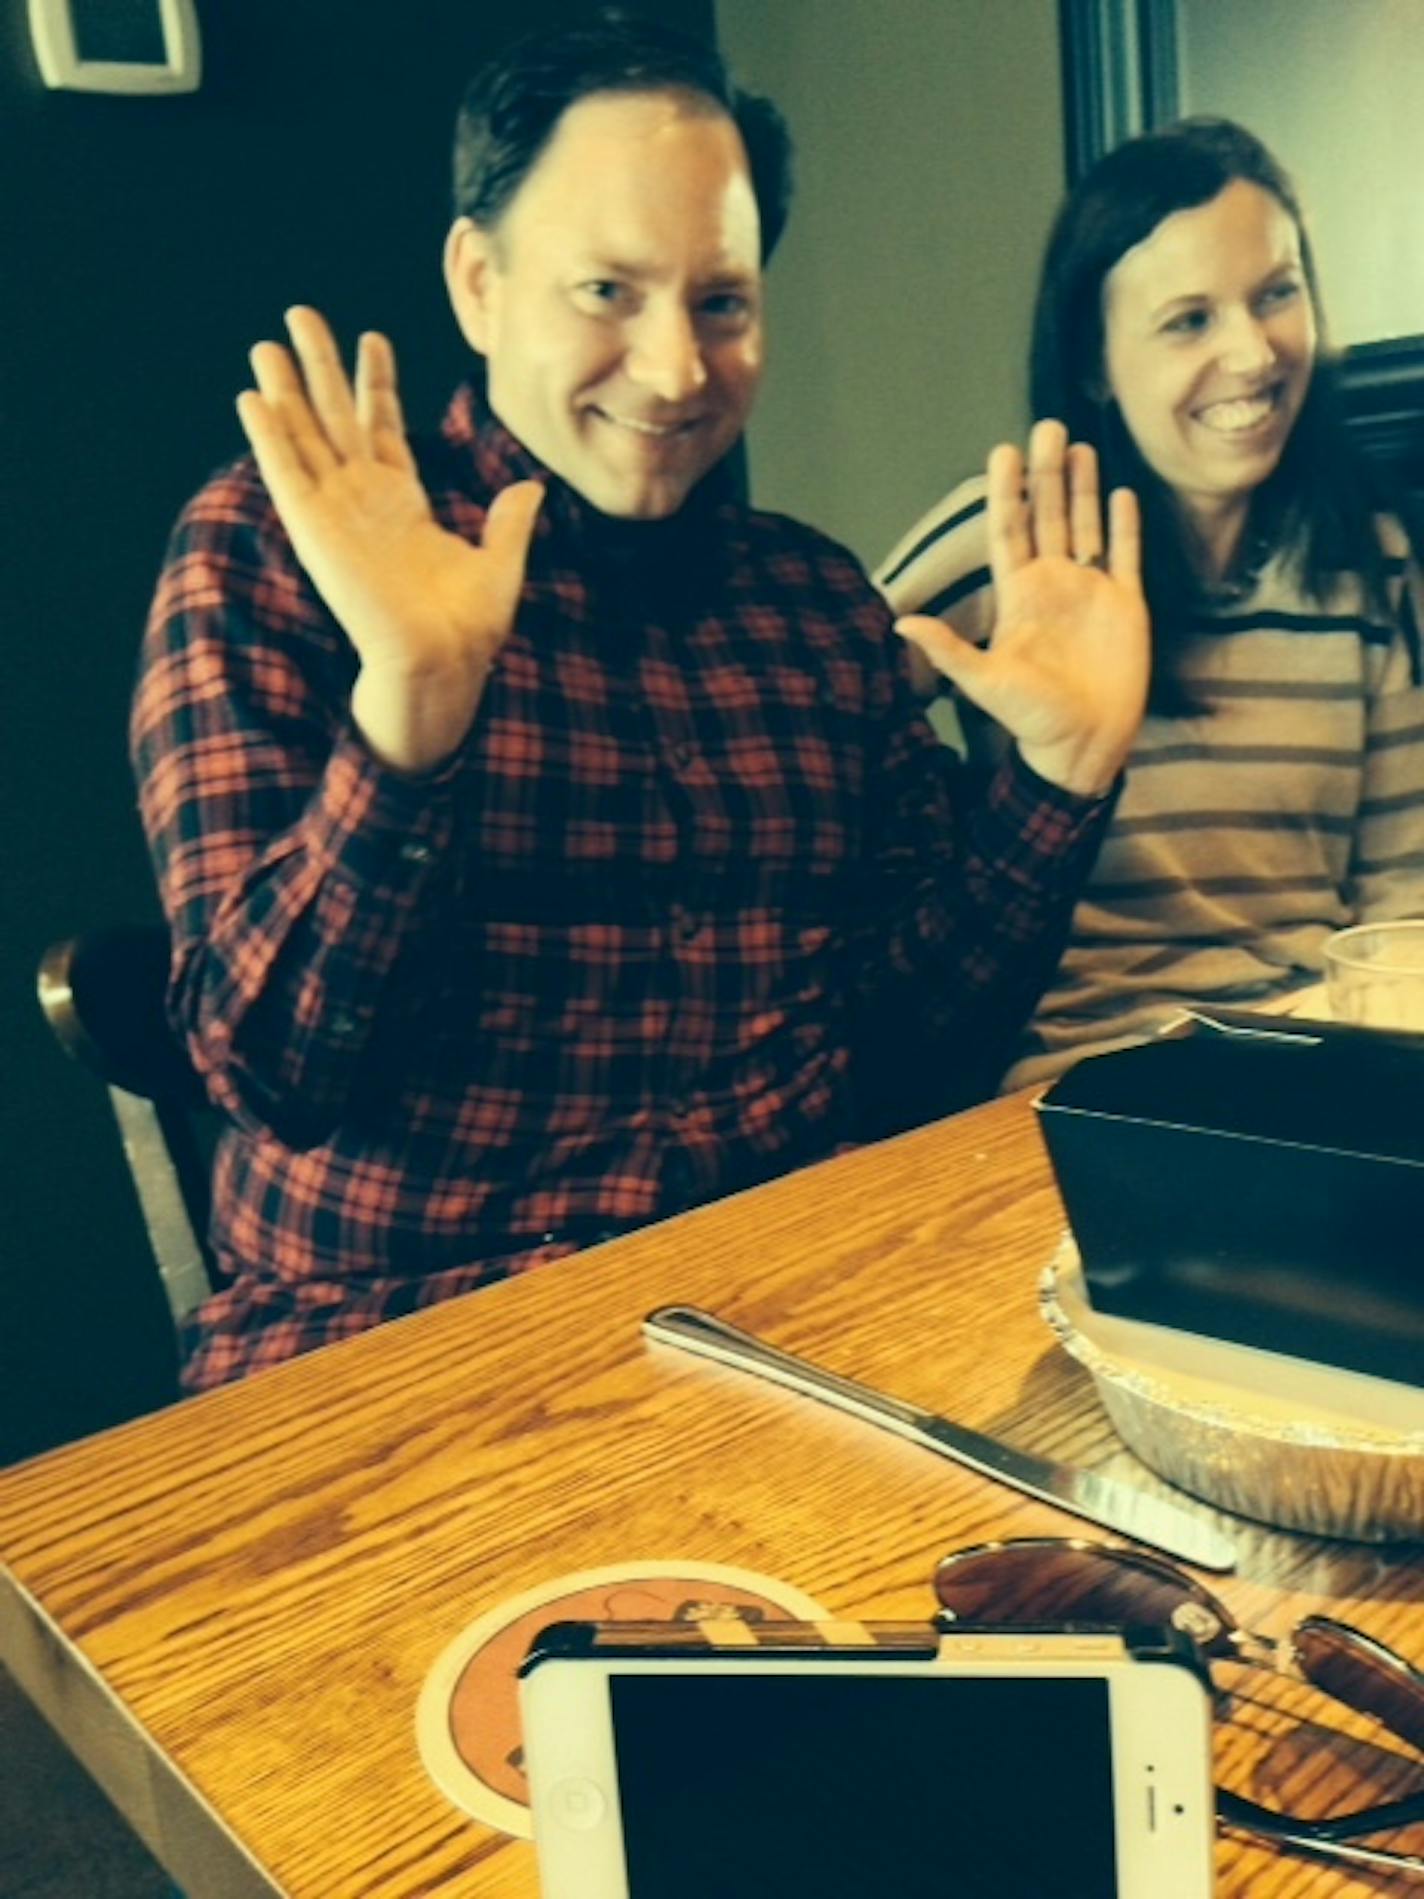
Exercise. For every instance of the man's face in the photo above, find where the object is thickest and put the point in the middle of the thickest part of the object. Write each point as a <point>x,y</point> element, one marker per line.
<point>618,301</point>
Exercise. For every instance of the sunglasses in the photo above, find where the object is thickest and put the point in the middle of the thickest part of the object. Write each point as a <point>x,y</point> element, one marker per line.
<point>1059,1579</point>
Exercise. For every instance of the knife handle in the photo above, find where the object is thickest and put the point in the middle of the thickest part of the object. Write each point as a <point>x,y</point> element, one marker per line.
<point>710,1337</point>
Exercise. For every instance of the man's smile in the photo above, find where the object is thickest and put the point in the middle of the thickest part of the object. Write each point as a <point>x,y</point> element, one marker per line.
<point>660,431</point>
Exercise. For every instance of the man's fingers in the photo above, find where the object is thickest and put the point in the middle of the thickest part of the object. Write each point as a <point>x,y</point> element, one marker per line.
<point>1047,505</point>
<point>1010,544</point>
<point>281,389</point>
<point>378,404</point>
<point>1125,538</point>
<point>1047,488</point>
<point>509,528</point>
<point>1085,508</point>
<point>281,466</point>
<point>948,653</point>
<point>328,390</point>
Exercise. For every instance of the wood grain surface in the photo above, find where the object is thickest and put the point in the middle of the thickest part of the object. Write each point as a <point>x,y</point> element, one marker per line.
<point>229,1609</point>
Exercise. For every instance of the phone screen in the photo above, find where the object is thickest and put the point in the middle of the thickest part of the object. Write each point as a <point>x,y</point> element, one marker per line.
<point>921,1788</point>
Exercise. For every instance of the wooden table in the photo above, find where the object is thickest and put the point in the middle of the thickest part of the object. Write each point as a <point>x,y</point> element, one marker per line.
<point>228,1609</point>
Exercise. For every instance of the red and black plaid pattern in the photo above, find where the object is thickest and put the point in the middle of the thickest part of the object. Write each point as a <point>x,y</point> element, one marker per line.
<point>617,957</point>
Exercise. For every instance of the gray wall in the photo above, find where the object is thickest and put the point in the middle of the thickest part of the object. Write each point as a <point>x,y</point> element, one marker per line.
<point>145,244</point>
<point>930,135</point>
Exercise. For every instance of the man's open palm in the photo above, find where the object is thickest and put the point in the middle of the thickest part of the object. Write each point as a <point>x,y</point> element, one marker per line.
<point>425,610</point>
<point>1067,669</point>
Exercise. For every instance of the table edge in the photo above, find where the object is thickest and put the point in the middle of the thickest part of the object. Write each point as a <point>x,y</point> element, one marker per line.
<point>169,1814</point>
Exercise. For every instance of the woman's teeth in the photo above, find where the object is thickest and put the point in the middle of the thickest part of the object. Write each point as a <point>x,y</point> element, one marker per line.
<point>1238,415</point>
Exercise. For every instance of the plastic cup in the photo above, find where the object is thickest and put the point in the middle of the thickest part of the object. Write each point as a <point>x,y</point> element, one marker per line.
<point>1374,975</point>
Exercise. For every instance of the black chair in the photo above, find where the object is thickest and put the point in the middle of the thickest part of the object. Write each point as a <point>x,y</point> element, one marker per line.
<point>103,995</point>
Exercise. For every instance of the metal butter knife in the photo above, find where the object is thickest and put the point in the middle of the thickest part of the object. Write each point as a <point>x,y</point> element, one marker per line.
<point>1080,1492</point>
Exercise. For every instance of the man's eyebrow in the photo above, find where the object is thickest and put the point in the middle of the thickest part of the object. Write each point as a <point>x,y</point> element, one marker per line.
<point>597,265</point>
<point>722,275</point>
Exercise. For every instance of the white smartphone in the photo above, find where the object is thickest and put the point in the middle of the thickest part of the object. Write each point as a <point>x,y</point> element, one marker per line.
<point>842,1761</point>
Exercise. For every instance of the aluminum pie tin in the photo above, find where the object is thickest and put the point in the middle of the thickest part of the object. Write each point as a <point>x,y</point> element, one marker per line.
<point>1297,1445</point>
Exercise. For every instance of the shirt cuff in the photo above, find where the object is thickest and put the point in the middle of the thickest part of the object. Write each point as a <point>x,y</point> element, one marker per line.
<point>1036,827</point>
<point>377,828</point>
<point>1031,789</point>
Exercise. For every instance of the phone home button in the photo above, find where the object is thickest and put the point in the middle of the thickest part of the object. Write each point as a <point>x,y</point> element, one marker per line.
<point>578,1803</point>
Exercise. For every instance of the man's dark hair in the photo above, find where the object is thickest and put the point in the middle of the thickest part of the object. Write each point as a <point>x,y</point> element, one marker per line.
<point>1316,503</point>
<point>515,102</point>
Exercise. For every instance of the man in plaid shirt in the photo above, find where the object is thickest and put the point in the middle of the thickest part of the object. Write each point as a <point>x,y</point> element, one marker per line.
<point>550,841</point>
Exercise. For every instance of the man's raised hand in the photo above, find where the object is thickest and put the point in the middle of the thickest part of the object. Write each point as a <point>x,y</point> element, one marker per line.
<point>1067,669</point>
<point>425,610</point>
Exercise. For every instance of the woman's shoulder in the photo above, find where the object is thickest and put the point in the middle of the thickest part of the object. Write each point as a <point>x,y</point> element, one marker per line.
<point>944,559</point>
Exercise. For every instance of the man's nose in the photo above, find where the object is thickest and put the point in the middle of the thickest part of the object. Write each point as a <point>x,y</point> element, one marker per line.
<point>665,354</point>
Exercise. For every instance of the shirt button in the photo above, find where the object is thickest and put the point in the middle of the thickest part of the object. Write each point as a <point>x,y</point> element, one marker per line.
<point>547,1239</point>
<point>343,1025</point>
<point>679,1108</point>
<point>681,754</point>
<point>686,924</point>
<point>416,851</point>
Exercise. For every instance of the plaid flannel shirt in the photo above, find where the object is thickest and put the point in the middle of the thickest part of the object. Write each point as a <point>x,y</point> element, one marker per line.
<point>700,898</point>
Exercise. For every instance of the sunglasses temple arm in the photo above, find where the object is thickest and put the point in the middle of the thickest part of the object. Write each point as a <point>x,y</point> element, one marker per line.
<point>1244,1816</point>
<point>1380,1819</point>
<point>1342,1826</point>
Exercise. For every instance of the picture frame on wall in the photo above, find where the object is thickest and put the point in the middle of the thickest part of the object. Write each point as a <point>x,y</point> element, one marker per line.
<point>149,47</point>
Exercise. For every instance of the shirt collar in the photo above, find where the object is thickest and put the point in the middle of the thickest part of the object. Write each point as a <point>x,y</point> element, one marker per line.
<point>498,458</point>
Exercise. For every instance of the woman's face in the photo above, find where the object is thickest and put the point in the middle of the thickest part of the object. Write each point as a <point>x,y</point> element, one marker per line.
<point>1210,342</point>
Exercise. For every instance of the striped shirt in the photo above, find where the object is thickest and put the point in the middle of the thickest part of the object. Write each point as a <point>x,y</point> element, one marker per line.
<point>1290,806</point>
<point>636,946</point>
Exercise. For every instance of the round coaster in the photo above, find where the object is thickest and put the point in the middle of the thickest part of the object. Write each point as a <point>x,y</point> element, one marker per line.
<point>467,1720</point>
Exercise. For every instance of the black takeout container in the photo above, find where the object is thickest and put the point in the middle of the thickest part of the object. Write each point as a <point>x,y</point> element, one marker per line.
<point>1254,1180</point>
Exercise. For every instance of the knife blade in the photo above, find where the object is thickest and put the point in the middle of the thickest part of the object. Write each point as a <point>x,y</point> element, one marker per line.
<point>1082,1493</point>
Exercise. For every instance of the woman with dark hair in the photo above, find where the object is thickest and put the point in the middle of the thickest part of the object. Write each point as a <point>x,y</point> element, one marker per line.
<point>1276,792</point>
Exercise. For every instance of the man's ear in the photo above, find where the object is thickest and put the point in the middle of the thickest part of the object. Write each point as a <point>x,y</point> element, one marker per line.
<point>470,273</point>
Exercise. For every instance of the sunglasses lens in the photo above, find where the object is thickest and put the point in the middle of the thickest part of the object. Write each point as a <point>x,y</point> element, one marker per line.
<point>1048,1582</point>
<point>1362,1674</point>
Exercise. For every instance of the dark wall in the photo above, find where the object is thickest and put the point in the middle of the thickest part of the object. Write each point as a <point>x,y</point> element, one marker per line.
<point>144,244</point>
